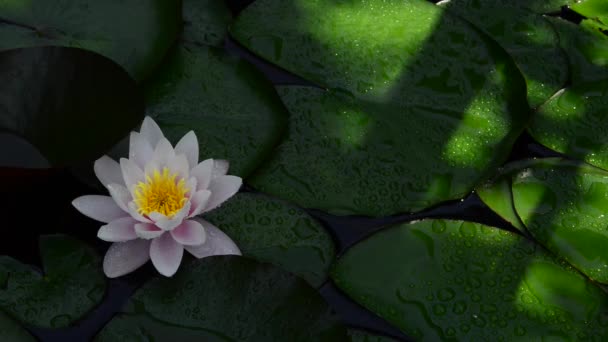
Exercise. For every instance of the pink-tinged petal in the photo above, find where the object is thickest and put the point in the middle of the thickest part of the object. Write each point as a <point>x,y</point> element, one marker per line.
<point>189,233</point>
<point>120,230</point>
<point>120,195</point>
<point>216,243</point>
<point>151,132</point>
<point>100,208</point>
<point>199,202</point>
<point>166,254</point>
<point>179,164</point>
<point>140,149</point>
<point>125,257</point>
<point>188,146</point>
<point>108,171</point>
<point>148,231</point>
<point>131,173</point>
<point>163,153</point>
<point>220,168</point>
<point>203,172</point>
<point>165,223</point>
<point>222,188</point>
<point>135,214</point>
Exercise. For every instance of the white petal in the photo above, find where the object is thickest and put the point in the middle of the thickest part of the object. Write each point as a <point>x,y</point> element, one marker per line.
<point>188,146</point>
<point>140,150</point>
<point>108,171</point>
<point>119,230</point>
<point>151,132</point>
<point>222,188</point>
<point>220,167</point>
<point>190,233</point>
<point>125,257</point>
<point>120,194</point>
<point>166,254</point>
<point>100,208</point>
<point>179,164</point>
<point>191,185</point>
<point>165,223</point>
<point>163,153</point>
<point>148,231</point>
<point>216,243</point>
<point>131,173</point>
<point>135,214</point>
<point>203,172</point>
<point>199,201</point>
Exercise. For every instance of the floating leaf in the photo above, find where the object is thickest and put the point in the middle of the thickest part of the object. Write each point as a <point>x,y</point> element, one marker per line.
<point>273,231</point>
<point>498,196</point>
<point>226,298</point>
<point>593,9</point>
<point>11,331</point>
<point>564,205</point>
<point>438,280</point>
<point>362,336</point>
<point>205,21</point>
<point>574,122</point>
<point>587,50</point>
<point>348,156</point>
<point>134,33</point>
<point>234,111</point>
<point>72,284</point>
<point>47,97</point>
<point>527,37</point>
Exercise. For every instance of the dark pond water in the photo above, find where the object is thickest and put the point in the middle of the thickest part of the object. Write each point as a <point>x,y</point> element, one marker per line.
<point>38,202</point>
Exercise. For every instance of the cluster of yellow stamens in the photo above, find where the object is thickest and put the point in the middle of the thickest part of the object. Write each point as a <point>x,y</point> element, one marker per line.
<point>161,193</point>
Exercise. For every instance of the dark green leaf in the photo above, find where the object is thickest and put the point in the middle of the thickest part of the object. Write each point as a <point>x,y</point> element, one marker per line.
<point>205,21</point>
<point>69,103</point>
<point>362,336</point>
<point>497,195</point>
<point>273,231</point>
<point>441,280</point>
<point>593,9</point>
<point>234,111</point>
<point>575,122</point>
<point>134,33</point>
<point>72,284</point>
<point>226,299</point>
<point>10,331</point>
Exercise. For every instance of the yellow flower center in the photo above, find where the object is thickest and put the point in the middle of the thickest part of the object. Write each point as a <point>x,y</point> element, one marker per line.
<point>161,193</point>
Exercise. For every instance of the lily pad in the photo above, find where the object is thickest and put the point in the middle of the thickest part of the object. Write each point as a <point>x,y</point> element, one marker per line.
<point>564,205</point>
<point>226,298</point>
<point>72,284</point>
<point>205,21</point>
<point>346,156</point>
<point>587,50</point>
<point>574,122</point>
<point>439,279</point>
<point>273,231</point>
<point>498,196</point>
<point>11,331</point>
<point>47,98</point>
<point>234,111</point>
<point>593,9</point>
<point>134,33</point>
<point>527,37</point>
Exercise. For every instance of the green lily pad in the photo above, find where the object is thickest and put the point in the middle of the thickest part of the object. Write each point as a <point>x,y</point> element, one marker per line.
<point>273,231</point>
<point>498,196</point>
<point>347,156</point>
<point>438,280</point>
<point>563,205</point>
<point>593,9</point>
<point>47,98</point>
<point>226,298</point>
<point>527,37</point>
<point>363,336</point>
<point>11,331</point>
<point>205,21</point>
<point>72,284</point>
<point>574,122</point>
<point>134,33</point>
<point>586,47</point>
<point>234,111</point>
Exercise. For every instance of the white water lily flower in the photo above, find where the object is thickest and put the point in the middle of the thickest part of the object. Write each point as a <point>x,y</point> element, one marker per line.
<point>155,195</point>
